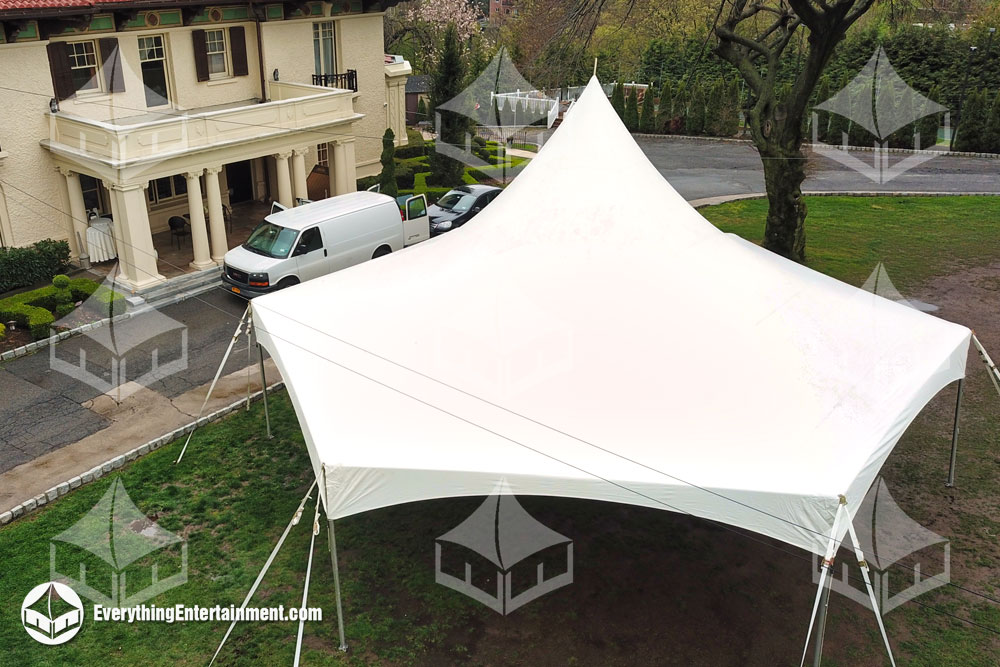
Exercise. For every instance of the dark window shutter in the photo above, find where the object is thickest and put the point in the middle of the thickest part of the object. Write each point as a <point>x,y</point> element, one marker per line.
<point>200,54</point>
<point>112,57</point>
<point>238,48</point>
<point>62,78</point>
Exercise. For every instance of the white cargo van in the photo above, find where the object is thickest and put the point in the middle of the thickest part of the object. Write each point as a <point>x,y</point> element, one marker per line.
<point>316,238</point>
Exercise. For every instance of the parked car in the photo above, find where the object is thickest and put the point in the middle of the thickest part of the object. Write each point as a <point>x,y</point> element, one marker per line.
<point>313,239</point>
<point>460,205</point>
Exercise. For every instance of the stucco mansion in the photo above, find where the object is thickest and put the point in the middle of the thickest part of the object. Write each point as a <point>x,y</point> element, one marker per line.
<point>150,109</point>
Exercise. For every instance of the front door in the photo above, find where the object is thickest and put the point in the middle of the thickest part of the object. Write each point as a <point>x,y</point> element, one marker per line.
<point>239,176</point>
<point>310,255</point>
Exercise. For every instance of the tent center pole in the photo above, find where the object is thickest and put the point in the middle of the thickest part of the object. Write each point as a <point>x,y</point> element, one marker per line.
<point>263,390</point>
<point>821,622</point>
<point>336,587</point>
<point>954,435</point>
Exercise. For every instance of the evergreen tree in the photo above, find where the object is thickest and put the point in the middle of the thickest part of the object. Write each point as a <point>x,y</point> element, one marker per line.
<point>387,179</point>
<point>678,121</point>
<point>664,112</point>
<point>715,109</point>
<point>632,111</point>
<point>839,125</point>
<point>859,135</point>
<point>972,123</point>
<point>422,110</point>
<point>903,137</point>
<point>731,109</point>
<point>929,124</point>
<point>822,117</point>
<point>647,120</point>
<point>993,127</point>
<point>618,100</point>
<point>448,81</point>
<point>695,122</point>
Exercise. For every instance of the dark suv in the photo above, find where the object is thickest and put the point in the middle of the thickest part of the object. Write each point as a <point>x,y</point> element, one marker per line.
<point>459,206</point>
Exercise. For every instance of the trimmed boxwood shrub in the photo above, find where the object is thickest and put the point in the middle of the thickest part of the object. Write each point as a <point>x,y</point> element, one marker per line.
<point>34,309</point>
<point>367,182</point>
<point>404,176</point>
<point>411,150</point>
<point>3,331</point>
<point>20,267</point>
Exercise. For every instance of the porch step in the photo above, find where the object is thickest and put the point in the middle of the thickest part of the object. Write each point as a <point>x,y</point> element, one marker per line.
<point>184,286</point>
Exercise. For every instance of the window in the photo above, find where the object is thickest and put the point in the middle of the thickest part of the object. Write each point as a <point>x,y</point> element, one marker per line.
<point>83,66</point>
<point>323,54</point>
<point>152,57</point>
<point>322,156</point>
<point>215,49</point>
<point>415,208</point>
<point>309,241</point>
<point>93,197</point>
<point>167,188</point>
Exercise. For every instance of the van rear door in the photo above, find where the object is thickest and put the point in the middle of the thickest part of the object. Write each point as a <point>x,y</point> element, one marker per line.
<point>416,223</point>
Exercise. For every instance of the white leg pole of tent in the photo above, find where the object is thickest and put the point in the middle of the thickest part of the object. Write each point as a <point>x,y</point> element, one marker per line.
<point>270,559</point>
<point>863,564</point>
<point>824,583</point>
<point>218,373</point>
<point>263,390</point>
<point>990,366</point>
<point>954,435</point>
<point>821,623</point>
<point>305,589</point>
<point>336,586</point>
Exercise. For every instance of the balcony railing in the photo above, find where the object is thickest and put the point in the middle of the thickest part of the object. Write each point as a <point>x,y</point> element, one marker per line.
<point>347,80</point>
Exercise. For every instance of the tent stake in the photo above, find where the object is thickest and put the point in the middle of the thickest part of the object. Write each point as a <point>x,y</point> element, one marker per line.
<point>263,390</point>
<point>336,587</point>
<point>954,435</point>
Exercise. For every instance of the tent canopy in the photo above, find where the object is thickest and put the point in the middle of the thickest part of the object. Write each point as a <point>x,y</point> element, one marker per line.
<point>591,335</point>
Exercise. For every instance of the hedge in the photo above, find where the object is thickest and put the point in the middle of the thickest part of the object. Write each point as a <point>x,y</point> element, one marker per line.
<point>411,150</point>
<point>21,267</point>
<point>34,309</point>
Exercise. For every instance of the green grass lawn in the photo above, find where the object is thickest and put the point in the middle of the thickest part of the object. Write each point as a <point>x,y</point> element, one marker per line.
<point>646,581</point>
<point>916,237</point>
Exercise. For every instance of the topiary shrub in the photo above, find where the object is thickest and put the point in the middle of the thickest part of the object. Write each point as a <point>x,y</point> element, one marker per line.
<point>61,281</point>
<point>64,309</point>
<point>404,176</point>
<point>34,310</point>
<point>3,331</point>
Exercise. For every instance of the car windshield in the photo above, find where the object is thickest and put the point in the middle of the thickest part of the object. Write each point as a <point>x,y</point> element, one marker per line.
<point>271,240</point>
<point>459,202</point>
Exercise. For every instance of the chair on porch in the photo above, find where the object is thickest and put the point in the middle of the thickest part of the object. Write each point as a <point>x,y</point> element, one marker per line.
<point>227,215</point>
<point>178,229</point>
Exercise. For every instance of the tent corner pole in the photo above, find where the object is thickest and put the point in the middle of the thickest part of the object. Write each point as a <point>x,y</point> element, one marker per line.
<point>263,390</point>
<point>821,621</point>
<point>336,588</point>
<point>954,435</point>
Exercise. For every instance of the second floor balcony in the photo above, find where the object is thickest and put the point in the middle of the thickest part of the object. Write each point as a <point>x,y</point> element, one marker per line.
<point>347,80</point>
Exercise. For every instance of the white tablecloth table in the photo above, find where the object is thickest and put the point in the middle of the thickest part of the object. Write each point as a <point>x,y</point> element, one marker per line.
<point>101,240</point>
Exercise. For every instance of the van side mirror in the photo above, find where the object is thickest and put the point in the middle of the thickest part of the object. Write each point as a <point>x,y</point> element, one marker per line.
<point>300,249</point>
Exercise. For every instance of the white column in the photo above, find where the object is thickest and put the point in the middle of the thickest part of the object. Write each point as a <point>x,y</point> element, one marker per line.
<point>299,173</point>
<point>77,211</point>
<point>284,182</point>
<point>199,233</point>
<point>134,240</point>
<point>216,219</point>
<point>345,171</point>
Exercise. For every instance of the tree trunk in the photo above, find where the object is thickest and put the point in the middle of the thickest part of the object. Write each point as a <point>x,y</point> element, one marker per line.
<point>784,171</point>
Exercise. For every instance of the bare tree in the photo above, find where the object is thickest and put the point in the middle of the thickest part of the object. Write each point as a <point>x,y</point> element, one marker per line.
<point>755,47</point>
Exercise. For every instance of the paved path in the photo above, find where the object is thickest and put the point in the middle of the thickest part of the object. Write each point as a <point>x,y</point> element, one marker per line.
<point>701,168</point>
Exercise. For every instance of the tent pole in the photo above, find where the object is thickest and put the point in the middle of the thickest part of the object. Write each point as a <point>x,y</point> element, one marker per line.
<point>822,594</point>
<point>336,587</point>
<point>954,434</point>
<point>263,390</point>
<point>863,564</point>
<point>821,622</point>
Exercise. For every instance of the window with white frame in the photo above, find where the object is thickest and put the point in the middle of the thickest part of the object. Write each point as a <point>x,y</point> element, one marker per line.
<point>83,64</point>
<point>153,61</point>
<point>215,49</point>
<point>325,59</point>
<point>322,157</point>
<point>163,190</point>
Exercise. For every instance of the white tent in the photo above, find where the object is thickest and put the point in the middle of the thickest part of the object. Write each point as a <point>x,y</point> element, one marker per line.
<point>591,335</point>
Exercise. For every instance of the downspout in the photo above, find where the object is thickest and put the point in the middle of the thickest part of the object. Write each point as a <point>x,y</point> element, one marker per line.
<point>256,11</point>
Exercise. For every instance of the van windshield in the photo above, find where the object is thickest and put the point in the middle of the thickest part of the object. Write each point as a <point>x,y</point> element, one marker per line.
<point>271,240</point>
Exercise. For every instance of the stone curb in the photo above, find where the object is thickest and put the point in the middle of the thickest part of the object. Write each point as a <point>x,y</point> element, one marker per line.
<point>724,199</point>
<point>810,145</point>
<point>98,471</point>
<point>34,346</point>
